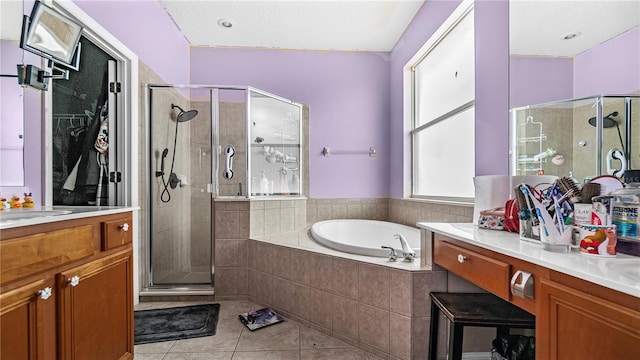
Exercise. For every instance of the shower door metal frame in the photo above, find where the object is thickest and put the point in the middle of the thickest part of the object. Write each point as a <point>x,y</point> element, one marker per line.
<point>148,282</point>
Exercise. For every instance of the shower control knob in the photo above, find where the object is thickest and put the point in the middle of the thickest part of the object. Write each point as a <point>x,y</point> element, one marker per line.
<point>45,293</point>
<point>124,227</point>
<point>74,280</point>
<point>461,258</point>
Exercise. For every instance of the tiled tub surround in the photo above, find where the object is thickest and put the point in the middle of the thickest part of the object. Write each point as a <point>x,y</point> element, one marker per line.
<point>263,253</point>
<point>380,306</point>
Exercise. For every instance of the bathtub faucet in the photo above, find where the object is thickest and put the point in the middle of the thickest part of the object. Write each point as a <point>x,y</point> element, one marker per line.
<point>407,251</point>
<point>393,256</point>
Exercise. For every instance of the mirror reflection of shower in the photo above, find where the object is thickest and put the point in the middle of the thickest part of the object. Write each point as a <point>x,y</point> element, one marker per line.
<point>183,116</point>
<point>613,153</point>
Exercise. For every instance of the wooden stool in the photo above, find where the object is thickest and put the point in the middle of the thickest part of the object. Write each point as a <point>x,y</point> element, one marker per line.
<point>471,309</point>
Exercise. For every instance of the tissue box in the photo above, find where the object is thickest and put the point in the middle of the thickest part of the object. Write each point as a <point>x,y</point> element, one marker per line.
<point>492,219</point>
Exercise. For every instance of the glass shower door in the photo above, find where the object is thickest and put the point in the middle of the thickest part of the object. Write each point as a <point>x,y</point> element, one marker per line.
<point>180,139</point>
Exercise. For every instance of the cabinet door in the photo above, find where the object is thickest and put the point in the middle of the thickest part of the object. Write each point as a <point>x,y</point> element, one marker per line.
<point>576,325</point>
<point>96,309</point>
<point>27,322</point>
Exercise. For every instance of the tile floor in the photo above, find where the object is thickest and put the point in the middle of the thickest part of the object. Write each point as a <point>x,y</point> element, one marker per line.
<point>288,340</point>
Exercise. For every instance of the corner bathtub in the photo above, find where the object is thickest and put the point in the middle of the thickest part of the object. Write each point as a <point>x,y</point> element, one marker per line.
<point>364,237</point>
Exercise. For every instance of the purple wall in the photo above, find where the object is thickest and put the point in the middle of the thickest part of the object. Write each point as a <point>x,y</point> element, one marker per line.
<point>431,15</point>
<point>611,68</point>
<point>348,98</point>
<point>492,87</point>
<point>145,28</point>
<point>535,80</point>
<point>492,74</point>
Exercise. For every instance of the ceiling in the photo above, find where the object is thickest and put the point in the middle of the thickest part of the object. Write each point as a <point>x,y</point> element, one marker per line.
<point>344,25</point>
<point>536,26</point>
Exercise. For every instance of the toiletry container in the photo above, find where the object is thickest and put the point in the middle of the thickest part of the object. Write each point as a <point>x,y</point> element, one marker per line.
<point>625,207</point>
<point>264,184</point>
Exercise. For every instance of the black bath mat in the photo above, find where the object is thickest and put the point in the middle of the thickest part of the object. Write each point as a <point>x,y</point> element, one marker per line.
<point>175,323</point>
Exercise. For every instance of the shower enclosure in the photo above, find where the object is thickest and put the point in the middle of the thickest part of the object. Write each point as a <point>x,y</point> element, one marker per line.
<point>209,143</point>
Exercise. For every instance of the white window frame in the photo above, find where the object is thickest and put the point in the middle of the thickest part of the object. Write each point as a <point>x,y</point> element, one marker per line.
<point>128,115</point>
<point>464,9</point>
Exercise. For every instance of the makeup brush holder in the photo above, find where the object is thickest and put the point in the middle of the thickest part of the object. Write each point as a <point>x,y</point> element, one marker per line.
<point>529,231</point>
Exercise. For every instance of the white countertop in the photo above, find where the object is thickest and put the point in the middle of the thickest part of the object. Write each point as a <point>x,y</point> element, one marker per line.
<point>585,267</point>
<point>58,213</point>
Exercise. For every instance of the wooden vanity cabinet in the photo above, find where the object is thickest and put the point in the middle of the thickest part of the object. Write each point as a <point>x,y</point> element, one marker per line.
<point>28,321</point>
<point>596,324</point>
<point>575,319</point>
<point>89,312</point>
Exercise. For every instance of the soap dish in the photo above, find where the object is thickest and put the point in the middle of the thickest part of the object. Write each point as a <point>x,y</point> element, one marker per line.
<point>562,248</point>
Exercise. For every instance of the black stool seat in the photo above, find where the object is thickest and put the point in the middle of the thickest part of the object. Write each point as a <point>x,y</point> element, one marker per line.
<point>473,309</point>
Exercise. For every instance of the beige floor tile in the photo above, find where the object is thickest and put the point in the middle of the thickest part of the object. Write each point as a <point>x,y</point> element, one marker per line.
<point>153,348</point>
<point>217,355</point>
<point>282,336</point>
<point>148,356</point>
<point>226,339</point>
<point>229,310</point>
<point>349,353</point>
<point>267,355</point>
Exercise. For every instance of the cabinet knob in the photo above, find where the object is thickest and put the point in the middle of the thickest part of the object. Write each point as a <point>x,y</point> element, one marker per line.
<point>461,258</point>
<point>124,227</point>
<point>45,293</point>
<point>74,280</point>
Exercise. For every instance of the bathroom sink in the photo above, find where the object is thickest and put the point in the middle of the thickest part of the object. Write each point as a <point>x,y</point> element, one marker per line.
<point>629,268</point>
<point>466,227</point>
<point>9,215</point>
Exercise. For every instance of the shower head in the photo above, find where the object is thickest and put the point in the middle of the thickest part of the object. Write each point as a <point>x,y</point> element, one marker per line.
<point>607,121</point>
<point>184,115</point>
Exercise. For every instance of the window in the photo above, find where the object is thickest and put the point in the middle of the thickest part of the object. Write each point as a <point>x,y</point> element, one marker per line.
<point>442,76</point>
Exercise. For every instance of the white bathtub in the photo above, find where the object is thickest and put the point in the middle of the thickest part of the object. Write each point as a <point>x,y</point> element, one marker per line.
<point>364,237</point>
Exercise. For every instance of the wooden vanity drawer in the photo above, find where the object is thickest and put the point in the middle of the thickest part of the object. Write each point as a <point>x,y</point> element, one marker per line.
<point>492,275</point>
<point>116,233</point>
<point>32,254</point>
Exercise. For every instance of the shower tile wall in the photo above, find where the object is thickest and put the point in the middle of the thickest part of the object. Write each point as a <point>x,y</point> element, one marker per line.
<point>635,133</point>
<point>585,156</point>
<point>233,118</point>
<point>171,223</point>
<point>231,234</point>
<point>557,128</point>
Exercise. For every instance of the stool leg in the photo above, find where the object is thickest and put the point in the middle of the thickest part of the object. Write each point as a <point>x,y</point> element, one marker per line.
<point>433,331</point>
<point>455,341</point>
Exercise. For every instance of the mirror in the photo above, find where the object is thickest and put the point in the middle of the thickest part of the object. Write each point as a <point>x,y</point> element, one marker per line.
<point>51,35</point>
<point>567,49</point>
<point>562,50</point>
<point>11,95</point>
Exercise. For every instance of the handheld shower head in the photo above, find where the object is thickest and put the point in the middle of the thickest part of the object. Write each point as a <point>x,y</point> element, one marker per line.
<point>184,115</point>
